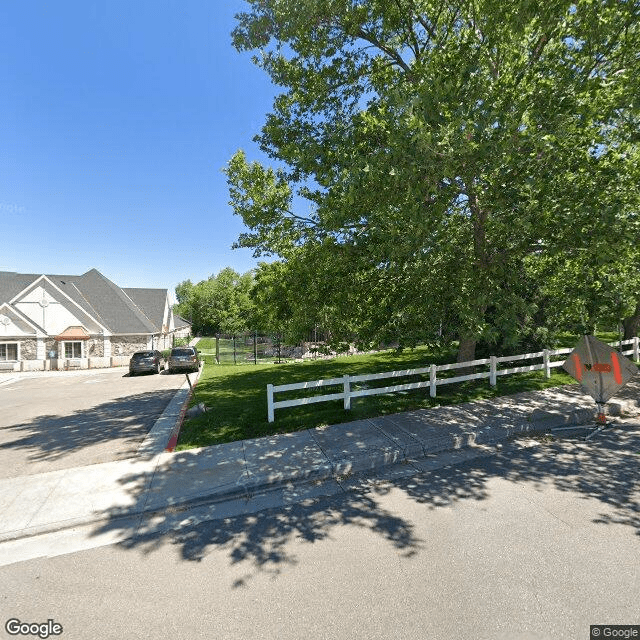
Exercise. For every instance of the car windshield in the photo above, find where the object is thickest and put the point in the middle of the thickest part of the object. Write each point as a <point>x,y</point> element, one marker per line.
<point>182,352</point>
<point>143,354</point>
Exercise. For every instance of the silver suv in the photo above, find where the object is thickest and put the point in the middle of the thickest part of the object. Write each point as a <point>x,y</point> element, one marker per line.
<point>184,359</point>
<point>146,361</point>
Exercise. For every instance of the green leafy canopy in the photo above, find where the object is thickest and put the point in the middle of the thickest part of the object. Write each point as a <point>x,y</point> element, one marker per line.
<point>469,167</point>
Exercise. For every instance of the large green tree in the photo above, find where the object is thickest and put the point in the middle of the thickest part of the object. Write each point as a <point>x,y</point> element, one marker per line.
<point>462,163</point>
<point>220,304</point>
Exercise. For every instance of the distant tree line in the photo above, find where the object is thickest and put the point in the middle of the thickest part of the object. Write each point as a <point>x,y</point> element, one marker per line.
<point>268,299</point>
<point>220,304</point>
<point>288,300</point>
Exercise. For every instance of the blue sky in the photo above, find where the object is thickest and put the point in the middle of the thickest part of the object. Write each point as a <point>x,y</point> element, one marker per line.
<point>116,118</point>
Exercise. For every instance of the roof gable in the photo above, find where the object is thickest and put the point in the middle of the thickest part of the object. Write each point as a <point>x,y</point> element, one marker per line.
<point>48,305</point>
<point>115,310</point>
<point>14,322</point>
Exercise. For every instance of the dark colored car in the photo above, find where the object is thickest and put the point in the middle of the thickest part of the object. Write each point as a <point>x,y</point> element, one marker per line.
<point>184,358</point>
<point>143,361</point>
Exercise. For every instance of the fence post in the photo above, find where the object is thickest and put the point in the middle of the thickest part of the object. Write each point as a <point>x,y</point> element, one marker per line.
<point>545,361</point>
<point>493,366</point>
<point>346,385</point>
<point>432,381</point>
<point>255,347</point>
<point>218,349</point>
<point>636,349</point>
<point>270,412</point>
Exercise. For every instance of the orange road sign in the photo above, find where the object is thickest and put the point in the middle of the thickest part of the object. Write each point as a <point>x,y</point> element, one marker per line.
<point>600,369</point>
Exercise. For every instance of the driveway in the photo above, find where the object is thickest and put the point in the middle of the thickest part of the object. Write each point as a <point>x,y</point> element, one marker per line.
<point>58,420</point>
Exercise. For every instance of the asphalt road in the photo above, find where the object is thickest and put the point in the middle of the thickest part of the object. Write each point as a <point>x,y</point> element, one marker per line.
<point>68,419</point>
<point>537,542</point>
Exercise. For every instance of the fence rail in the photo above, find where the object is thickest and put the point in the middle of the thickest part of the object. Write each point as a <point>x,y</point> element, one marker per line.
<point>347,381</point>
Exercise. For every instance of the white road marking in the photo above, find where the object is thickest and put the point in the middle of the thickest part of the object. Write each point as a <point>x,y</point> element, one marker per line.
<point>50,545</point>
<point>105,533</point>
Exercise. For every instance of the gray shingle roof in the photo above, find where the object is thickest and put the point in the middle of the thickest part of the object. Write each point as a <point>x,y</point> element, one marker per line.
<point>11,284</point>
<point>151,302</point>
<point>98,296</point>
<point>179,322</point>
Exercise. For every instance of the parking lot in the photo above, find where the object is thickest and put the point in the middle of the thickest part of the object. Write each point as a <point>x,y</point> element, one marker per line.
<point>58,420</point>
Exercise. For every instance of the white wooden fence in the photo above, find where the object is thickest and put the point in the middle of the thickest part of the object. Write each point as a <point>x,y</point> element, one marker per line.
<point>346,381</point>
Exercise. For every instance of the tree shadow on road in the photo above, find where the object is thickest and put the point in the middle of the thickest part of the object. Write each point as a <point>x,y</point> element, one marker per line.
<point>605,469</point>
<point>259,534</point>
<point>261,541</point>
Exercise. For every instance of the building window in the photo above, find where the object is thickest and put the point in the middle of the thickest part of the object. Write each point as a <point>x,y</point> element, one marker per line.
<point>73,349</point>
<point>8,351</point>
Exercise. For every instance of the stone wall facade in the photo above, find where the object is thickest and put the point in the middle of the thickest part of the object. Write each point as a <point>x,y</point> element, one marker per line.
<point>122,347</point>
<point>94,348</point>
<point>28,349</point>
<point>128,345</point>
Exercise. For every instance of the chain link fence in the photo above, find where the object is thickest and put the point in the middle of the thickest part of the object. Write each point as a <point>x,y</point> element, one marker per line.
<point>255,348</point>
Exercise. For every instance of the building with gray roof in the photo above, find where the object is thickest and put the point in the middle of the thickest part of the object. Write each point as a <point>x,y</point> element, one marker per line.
<point>69,321</point>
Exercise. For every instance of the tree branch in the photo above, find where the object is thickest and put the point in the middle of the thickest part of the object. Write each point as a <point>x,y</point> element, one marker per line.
<point>456,13</point>
<point>392,53</point>
<point>410,32</point>
<point>301,218</point>
<point>535,55</point>
<point>605,54</point>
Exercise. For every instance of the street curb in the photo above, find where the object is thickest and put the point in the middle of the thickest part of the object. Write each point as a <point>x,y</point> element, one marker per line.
<point>246,492</point>
<point>156,439</point>
<point>160,436</point>
<point>175,433</point>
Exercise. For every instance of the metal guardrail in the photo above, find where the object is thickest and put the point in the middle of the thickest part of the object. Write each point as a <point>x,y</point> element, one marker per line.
<point>346,381</point>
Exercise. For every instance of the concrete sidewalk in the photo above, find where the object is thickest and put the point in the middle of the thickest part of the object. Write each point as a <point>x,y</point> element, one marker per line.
<point>156,480</point>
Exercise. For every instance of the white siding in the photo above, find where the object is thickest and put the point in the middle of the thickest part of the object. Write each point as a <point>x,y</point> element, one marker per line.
<point>57,314</point>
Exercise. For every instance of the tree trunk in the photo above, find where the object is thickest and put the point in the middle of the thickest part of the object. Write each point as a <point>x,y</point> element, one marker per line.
<point>632,324</point>
<point>467,346</point>
<point>466,352</point>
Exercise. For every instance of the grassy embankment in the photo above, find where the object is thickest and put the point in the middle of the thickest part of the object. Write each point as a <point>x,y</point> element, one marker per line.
<point>236,395</point>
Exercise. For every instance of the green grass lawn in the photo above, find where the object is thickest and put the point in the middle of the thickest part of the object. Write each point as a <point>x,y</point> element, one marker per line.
<point>236,395</point>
